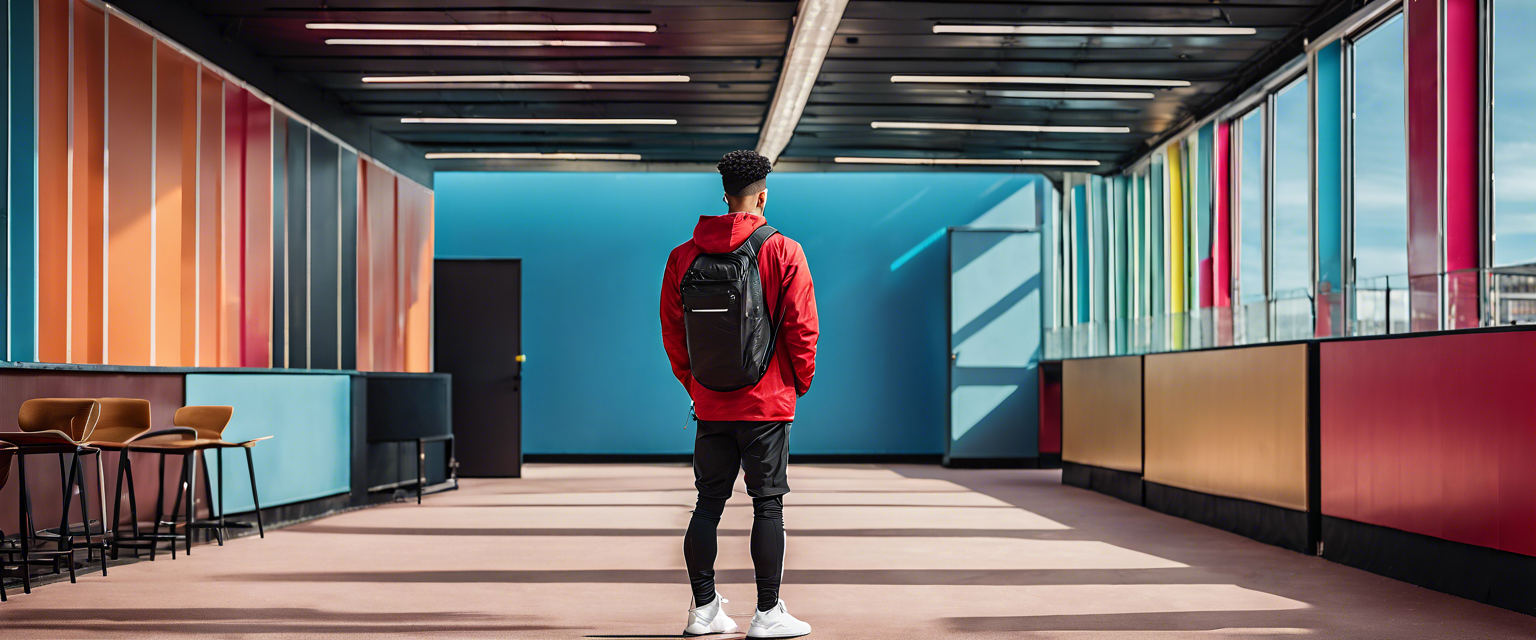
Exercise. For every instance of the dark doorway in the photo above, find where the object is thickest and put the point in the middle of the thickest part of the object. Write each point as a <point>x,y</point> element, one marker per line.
<point>478,333</point>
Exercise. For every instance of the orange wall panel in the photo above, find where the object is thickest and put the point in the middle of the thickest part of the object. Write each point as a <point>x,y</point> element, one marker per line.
<point>232,226</point>
<point>383,262</point>
<point>130,193</point>
<point>174,197</point>
<point>364,273</point>
<point>53,173</point>
<point>88,213</point>
<point>209,208</point>
<point>190,143</point>
<point>257,340</point>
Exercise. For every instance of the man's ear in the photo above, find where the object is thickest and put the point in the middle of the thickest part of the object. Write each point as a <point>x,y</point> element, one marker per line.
<point>762,199</point>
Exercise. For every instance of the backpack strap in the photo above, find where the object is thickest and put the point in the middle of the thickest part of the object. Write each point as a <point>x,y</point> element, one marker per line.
<point>756,241</point>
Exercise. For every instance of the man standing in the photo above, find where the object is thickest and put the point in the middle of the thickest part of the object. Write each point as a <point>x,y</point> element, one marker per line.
<point>738,319</point>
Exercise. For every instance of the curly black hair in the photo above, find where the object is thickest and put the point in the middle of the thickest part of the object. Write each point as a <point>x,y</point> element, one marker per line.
<point>744,172</point>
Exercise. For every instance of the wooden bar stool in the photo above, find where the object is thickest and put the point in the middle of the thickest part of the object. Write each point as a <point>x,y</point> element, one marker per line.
<point>124,425</point>
<point>209,424</point>
<point>58,426</point>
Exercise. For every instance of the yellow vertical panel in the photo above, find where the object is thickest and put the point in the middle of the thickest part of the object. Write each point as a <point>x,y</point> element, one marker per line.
<point>1229,422</point>
<point>1177,277</point>
<point>1101,412</point>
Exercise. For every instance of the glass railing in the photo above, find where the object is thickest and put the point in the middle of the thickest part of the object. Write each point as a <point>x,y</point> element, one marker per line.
<point>1373,306</point>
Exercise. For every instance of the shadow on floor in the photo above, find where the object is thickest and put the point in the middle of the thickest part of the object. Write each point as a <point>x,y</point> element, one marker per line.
<point>922,577</point>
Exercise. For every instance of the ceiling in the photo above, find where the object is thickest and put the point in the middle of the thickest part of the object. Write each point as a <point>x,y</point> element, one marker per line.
<point>732,51</point>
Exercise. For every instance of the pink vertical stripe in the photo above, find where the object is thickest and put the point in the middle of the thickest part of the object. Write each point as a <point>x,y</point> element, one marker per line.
<point>1423,60</point>
<point>1222,237</point>
<point>1462,177</point>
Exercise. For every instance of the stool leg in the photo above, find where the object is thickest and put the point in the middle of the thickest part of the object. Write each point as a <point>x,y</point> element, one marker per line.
<point>85,515</point>
<point>421,469</point>
<point>208,487</point>
<point>24,512</point>
<point>181,486</point>
<point>159,516</point>
<point>67,542</point>
<point>117,503</point>
<point>218,455</point>
<point>250,466</point>
<point>101,487</point>
<point>189,470</point>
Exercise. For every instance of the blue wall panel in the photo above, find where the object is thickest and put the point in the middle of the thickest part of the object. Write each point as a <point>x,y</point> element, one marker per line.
<point>600,383</point>
<point>311,417</point>
<point>1330,173</point>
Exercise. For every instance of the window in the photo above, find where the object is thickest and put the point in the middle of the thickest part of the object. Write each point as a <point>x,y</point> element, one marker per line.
<point>1514,133</point>
<point>1380,149</point>
<point>1250,253</point>
<point>1291,259</point>
<point>1379,180</point>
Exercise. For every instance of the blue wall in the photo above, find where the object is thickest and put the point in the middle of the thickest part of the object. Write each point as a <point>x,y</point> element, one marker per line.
<point>594,245</point>
<point>311,417</point>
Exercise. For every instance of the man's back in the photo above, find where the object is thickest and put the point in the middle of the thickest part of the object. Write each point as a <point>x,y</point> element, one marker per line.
<point>790,297</point>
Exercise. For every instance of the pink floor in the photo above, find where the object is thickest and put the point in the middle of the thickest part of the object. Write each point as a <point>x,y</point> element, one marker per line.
<point>574,551</point>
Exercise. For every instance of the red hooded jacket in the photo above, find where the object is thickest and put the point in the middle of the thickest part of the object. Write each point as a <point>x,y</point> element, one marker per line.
<point>786,285</point>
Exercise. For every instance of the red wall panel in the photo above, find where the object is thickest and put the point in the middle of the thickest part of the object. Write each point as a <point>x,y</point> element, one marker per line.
<point>1434,436</point>
<point>256,344</point>
<point>232,225</point>
<point>130,110</point>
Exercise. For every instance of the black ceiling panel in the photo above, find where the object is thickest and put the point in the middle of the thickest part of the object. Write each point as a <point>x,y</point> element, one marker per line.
<point>733,50</point>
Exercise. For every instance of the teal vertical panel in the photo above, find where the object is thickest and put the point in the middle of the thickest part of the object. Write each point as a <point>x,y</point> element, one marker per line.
<point>1098,210</point>
<point>324,255</point>
<point>311,419</point>
<point>1081,269</point>
<point>280,244</point>
<point>1330,168</point>
<point>1120,204</point>
<point>1201,164</point>
<point>347,173</point>
<point>21,227</point>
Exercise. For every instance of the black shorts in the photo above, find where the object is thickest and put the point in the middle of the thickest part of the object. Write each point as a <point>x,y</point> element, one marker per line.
<point>760,449</point>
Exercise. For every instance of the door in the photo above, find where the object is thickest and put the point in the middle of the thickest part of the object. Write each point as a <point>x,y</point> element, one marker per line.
<point>994,346</point>
<point>477,328</point>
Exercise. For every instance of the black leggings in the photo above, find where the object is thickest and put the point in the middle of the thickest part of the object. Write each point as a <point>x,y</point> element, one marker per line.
<point>699,548</point>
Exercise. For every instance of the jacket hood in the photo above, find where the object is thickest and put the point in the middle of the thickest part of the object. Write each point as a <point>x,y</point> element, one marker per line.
<point>722,234</point>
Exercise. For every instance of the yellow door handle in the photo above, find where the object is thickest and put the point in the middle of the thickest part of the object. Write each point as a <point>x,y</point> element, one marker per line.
<point>521,358</point>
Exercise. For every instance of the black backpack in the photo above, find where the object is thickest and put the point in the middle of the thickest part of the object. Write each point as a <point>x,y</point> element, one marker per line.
<point>730,337</point>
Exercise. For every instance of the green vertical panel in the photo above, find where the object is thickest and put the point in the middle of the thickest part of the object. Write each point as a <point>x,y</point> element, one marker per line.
<point>1081,269</point>
<point>21,227</point>
<point>1156,215</point>
<point>1120,204</point>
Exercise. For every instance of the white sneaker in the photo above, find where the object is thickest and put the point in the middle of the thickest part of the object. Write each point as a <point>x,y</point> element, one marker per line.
<point>776,623</point>
<point>709,619</point>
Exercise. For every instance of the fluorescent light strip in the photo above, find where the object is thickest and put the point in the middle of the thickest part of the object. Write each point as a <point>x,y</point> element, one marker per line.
<point>566,79</point>
<point>1031,128</point>
<point>385,26</point>
<point>1021,162</point>
<point>815,24</point>
<point>1108,82</point>
<point>532,156</point>
<point>537,121</point>
<point>1075,95</point>
<point>422,42</point>
<point>1090,30</point>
